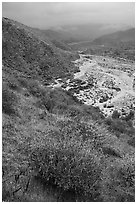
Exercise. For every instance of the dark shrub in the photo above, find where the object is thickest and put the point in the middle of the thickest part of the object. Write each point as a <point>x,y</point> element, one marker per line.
<point>13,84</point>
<point>130,115</point>
<point>49,104</point>
<point>94,112</point>
<point>108,121</point>
<point>9,101</point>
<point>24,82</point>
<point>131,141</point>
<point>56,99</point>
<point>120,126</point>
<point>33,86</point>
<point>115,114</point>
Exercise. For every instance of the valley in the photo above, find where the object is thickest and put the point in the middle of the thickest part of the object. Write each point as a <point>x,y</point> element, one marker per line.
<point>103,82</point>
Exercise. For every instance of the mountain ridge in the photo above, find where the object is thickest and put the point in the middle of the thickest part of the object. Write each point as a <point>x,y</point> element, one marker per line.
<point>117,37</point>
<point>88,32</point>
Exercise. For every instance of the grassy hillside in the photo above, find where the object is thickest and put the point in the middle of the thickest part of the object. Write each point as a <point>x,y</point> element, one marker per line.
<point>55,148</point>
<point>52,37</point>
<point>27,55</point>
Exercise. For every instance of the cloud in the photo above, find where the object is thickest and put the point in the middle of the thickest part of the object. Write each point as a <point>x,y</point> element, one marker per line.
<point>47,14</point>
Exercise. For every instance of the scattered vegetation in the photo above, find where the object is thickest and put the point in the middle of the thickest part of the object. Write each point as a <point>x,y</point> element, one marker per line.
<point>66,148</point>
<point>55,148</point>
<point>28,54</point>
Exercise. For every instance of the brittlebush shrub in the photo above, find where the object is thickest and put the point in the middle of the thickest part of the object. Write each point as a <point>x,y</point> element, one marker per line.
<point>69,164</point>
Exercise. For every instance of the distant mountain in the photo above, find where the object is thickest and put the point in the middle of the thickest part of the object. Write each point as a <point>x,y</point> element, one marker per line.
<point>84,32</point>
<point>60,36</point>
<point>116,38</point>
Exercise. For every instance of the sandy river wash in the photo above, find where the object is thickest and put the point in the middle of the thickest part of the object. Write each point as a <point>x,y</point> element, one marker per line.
<point>111,83</point>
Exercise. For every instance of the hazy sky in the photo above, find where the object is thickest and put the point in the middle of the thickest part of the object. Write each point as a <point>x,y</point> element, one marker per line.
<point>47,14</point>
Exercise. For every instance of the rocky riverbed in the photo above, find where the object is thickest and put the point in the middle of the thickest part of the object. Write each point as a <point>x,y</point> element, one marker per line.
<point>103,82</point>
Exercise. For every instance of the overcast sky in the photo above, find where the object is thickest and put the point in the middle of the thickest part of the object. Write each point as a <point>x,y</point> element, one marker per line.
<point>46,14</point>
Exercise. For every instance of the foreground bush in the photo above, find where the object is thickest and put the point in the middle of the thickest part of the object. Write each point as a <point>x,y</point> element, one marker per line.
<point>69,163</point>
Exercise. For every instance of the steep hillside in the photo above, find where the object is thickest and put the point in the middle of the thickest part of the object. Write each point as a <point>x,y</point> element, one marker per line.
<point>116,38</point>
<point>61,36</point>
<point>55,148</point>
<point>52,37</point>
<point>26,54</point>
